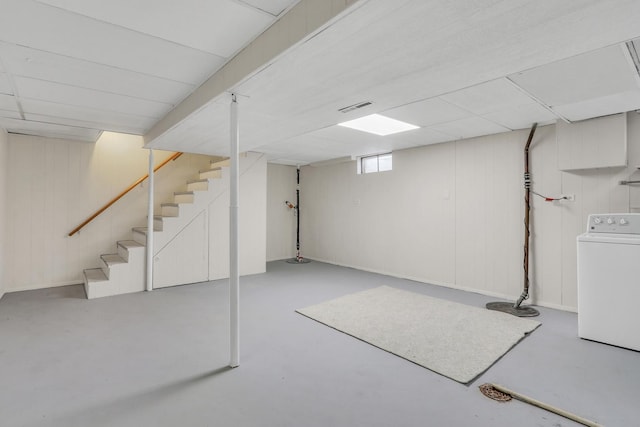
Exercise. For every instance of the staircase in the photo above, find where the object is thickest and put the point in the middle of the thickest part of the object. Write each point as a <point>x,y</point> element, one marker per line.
<point>124,271</point>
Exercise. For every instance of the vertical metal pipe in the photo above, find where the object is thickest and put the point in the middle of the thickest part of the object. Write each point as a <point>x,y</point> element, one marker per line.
<point>527,209</point>
<point>234,273</point>
<point>149,277</point>
<point>298,214</point>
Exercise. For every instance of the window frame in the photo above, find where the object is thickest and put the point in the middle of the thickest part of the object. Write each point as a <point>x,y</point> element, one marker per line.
<point>360,163</point>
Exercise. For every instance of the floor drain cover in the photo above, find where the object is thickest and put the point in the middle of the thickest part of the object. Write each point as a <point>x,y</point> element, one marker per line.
<point>489,391</point>
<point>508,307</point>
<point>298,260</point>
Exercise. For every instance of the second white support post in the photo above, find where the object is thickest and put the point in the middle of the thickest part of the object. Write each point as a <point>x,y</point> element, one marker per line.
<point>149,277</point>
<point>234,272</point>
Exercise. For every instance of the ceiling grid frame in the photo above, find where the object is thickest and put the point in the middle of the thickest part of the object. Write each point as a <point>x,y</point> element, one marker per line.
<point>312,58</point>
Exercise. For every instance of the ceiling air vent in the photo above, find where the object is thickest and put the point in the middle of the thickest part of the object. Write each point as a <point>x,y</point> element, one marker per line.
<point>355,106</point>
<point>634,49</point>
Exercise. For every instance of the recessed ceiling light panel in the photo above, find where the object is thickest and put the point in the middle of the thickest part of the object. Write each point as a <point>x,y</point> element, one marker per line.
<point>378,125</point>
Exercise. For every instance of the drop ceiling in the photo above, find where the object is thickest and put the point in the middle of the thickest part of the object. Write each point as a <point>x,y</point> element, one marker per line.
<point>457,69</point>
<point>73,68</point>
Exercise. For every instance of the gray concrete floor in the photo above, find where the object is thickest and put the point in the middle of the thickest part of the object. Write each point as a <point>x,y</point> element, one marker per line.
<point>159,359</point>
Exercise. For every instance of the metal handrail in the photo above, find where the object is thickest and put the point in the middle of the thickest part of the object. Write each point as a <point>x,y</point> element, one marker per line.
<point>119,196</point>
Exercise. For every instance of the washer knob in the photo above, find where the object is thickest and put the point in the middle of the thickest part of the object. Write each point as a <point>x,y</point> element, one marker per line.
<point>623,221</point>
<point>597,220</point>
<point>610,221</point>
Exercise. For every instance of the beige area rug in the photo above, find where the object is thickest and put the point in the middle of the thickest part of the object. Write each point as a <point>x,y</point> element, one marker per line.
<point>452,339</point>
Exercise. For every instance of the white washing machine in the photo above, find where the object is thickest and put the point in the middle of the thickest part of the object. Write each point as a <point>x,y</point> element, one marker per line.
<point>609,280</point>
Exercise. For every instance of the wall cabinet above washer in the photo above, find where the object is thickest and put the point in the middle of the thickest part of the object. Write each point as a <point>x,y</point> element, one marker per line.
<point>594,143</point>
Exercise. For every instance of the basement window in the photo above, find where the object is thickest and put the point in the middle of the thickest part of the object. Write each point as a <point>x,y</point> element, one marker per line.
<point>375,163</point>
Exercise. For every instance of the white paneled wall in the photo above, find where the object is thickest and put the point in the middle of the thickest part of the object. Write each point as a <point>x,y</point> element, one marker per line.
<point>452,214</point>
<point>281,222</point>
<point>55,184</point>
<point>252,221</point>
<point>4,247</point>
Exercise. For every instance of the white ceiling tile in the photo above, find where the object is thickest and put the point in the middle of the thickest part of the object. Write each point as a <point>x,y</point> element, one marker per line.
<point>8,102</point>
<point>427,112</point>
<point>135,129</point>
<point>522,116</point>
<point>595,74</point>
<point>345,135</point>
<point>311,148</point>
<point>83,124</point>
<point>394,54</point>
<point>64,94</point>
<point>336,142</point>
<point>59,31</point>
<point>275,159</point>
<point>102,119</point>
<point>307,144</point>
<point>274,7</point>
<point>10,114</point>
<point>487,97</point>
<point>207,132</point>
<point>422,136</point>
<point>41,65</point>
<point>220,27</point>
<point>469,128</point>
<point>603,106</point>
<point>49,130</point>
<point>5,85</point>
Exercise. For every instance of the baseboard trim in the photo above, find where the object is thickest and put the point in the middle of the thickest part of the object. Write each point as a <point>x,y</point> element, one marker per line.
<point>33,287</point>
<point>449,285</point>
<point>281,259</point>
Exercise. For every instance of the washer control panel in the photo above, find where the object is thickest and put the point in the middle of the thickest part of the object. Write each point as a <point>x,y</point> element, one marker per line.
<point>628,223</point>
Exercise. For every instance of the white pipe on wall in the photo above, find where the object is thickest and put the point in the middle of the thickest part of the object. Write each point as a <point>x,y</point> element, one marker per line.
<point>234,275</point>
<point>149,277</point>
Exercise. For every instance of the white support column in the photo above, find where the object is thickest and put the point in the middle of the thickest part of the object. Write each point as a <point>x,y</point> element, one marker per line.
<point>149,277</point>
<point>234,272</point>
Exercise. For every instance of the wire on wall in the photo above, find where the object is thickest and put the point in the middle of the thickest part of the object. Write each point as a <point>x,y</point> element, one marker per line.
<point>550,199</point>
